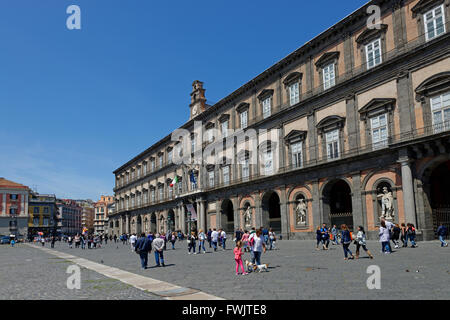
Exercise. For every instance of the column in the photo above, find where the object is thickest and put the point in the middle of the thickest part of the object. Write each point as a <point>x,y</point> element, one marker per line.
<point>317,214</point>
<point>408,191</point>
<point>357,209</point>
<point>284,213</point>
<point>121,225</point>
<point>127,223</point>
<point>202,215</point>
<point>218,215</point>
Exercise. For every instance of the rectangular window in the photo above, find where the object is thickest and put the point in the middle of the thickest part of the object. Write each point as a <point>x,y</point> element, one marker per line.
<point>153,165</point>
<point>246,169</point>
<point>46,210</point>
<point>193,144</point>
<point>161,193</point>
<point>266,108</point>
<point>211,178</point>
<point>225,129</point>
<point>180,187</point>
<point>328,76</point>
<point>161,161</point>
<point>36,210</point>
<point>132,175</point>
<point>268,162</point>
<point>170,192</point>
<point>373,53</point>
<point>13,196</point>
<point>144,169</point>
<point>226,175</point>
<point>36,221</point>
<point>296,151</point>
<point>45,221</point>
<point>294,95</point>
<point>440,107</point>
<point>332,141</point>
<point>169,156</point>
<point>209,135</point>
<point>244,119</point>
<point>434,23</point>
<point>153,195</point>
<point>138,172</point>
<point>379,129</point>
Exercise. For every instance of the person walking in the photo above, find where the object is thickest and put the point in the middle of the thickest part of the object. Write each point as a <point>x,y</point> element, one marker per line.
<point>258,247</point>
<point>223,236</point>
<point>238,235</point>
<point>238,257</point>
<point>334,233</point>
<point>384,237</point>
<point>115,238</point>
<point>272,239</point>
<point>361,242</point>
<point>265,233</point>
<point>173,239</point>
<point>83,242</point>
<point>52,243</point>
<point>158,247</point>
<point>191,242</point>
<point>411,232</point>
<point>209,236</point>
<point>77,240</point>
<point>214,238</point>
<point>70,240</point>
<point>201,241</point>
<point>396,235</point>
<point>325,236</point>
<point>403,235</point>
<point>133,239</point>
<point>245,241</point>
<point>142,247</point>
<point>442,234</point>
<point>346,240</point>
<point>318,237</point>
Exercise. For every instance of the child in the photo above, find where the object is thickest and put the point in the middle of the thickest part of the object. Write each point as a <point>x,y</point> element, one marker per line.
<point>238,258</point>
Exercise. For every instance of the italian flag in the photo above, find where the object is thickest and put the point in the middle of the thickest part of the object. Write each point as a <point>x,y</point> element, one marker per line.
<point>174,181</point>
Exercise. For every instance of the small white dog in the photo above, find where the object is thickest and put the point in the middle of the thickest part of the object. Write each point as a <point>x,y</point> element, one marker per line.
<point>260,267</point>
<point>248,265</point>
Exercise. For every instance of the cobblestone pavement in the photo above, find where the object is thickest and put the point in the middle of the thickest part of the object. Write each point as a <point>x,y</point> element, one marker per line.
<point>296,271</point>
<point>28,273</point>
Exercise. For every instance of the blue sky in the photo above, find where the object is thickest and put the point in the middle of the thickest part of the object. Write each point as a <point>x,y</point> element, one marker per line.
<point>77,104</point>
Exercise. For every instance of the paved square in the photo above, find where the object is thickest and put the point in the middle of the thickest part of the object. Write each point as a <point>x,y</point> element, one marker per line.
<point>296,271</point>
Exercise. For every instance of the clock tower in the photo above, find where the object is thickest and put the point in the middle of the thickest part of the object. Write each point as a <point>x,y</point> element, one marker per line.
<point>198,100</point>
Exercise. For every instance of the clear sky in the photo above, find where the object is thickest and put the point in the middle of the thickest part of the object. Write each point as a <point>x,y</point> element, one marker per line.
<point>77,104</point>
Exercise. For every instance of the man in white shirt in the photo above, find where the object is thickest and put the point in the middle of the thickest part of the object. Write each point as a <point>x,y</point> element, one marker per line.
<point>214,238</point>
<point>223,235</point>
<point>133,239</point>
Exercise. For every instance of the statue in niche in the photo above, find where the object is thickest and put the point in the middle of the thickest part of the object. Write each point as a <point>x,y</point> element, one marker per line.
<point>248,217</point>
<point>301,211</point>
<point>387,204</point>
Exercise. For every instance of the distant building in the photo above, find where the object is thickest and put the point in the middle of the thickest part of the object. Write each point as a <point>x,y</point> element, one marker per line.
<point>87,215</point>
<point>69,217</point>
<point>43,214</point>
<point>13,207</point>
<point>101,214</point>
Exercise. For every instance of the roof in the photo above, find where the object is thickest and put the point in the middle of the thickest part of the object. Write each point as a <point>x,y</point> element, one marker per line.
<point>11,184</point>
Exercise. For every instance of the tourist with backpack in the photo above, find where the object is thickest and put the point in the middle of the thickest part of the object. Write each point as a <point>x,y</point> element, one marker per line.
<point>442,234</point>
<point>411,232</point>
<point>396,235</point>
<point>318,237</point>
<point>191,242</point>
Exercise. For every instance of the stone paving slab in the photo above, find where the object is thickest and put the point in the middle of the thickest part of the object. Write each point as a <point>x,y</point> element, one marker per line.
<point>296,271</point>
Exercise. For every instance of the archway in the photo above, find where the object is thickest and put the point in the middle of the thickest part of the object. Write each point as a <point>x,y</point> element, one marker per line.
<point>271,215</point>
<point>337,204</point>
<point>171,221</point>
<point>439,194</point>
<point>227,212</point>
<point>153,223</point>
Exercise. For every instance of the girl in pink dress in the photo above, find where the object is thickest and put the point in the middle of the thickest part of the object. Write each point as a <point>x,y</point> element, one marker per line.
<point>238,257</point>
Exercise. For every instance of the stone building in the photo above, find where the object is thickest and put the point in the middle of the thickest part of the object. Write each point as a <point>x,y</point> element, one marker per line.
<point>351,126</point>
<point>101,214</point>
<point>13,208</point>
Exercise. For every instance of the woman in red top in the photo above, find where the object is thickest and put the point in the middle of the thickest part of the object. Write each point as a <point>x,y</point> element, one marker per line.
<point>238,257</point>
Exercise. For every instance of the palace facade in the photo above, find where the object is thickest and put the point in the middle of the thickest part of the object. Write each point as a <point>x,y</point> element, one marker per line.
<point>355,111</point>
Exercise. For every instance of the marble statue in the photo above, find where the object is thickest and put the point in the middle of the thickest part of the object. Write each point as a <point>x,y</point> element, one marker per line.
<point>300,210</point>
<point>387,204</point>
<point>248,217</point>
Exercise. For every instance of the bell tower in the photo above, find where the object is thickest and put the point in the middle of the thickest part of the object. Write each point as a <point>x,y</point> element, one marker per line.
<point>198,100</point>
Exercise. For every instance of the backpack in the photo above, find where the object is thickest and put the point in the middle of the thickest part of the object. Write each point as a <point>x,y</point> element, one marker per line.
<point>251,242</point>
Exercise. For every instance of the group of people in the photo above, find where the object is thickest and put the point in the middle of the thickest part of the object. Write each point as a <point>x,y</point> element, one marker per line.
<point>388,232</point>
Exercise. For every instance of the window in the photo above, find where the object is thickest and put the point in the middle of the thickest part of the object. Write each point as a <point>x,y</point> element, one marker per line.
<point>145,169</point>
<point>193,144</point>
<point>209,135</point>
<point>225,129</point>
<point>329,78</point>
<point>161,161</point>
<point>211,178</point>
<point>169,156</point>
<point>153,165</point>
<point>266,108</point>
<point>153,195</point>
<point>268,162</point>
<point>36,210</point>
<point>244,119</point>
<point>36,221</point>
<point>139,172</point>
<point>13,196</point>
<point>379,131</point>
<point>180,187</point>
<point>170,192</point>
<point>161,193</point>
<point>440,108</point>
<point>246,168</point>
<point>332,141</point>
<point>145,196</point>
<point>373,53</point>
<point>226,174</point>
<point>434,23</point>
<point>45,209</point>
<point>296,151</point>
<point>132,174</point>
<point>294,96</point>
<point>45,221</point>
